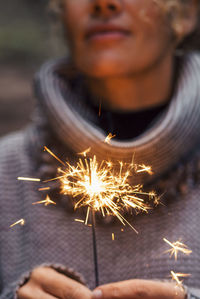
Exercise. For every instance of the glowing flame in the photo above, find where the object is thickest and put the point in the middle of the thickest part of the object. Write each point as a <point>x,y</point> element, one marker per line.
<point>100,188</point>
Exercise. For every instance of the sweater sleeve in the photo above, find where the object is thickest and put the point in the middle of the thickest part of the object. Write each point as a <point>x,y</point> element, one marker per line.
<point>10,292</point>
<point>193,293</point>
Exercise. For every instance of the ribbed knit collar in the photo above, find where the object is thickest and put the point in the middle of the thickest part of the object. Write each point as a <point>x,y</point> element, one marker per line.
<point>171,139</point>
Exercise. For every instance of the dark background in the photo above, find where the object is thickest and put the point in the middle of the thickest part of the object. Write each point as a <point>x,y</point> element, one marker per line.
<point>27,38</point>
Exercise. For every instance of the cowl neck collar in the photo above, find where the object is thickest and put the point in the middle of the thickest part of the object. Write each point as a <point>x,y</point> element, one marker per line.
<point>170,139</point>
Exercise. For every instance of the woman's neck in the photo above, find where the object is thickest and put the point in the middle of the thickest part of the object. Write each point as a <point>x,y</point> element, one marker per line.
<point>136,91</point>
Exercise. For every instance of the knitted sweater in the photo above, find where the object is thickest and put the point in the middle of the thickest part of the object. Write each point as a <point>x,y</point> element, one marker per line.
<point>65,124</point>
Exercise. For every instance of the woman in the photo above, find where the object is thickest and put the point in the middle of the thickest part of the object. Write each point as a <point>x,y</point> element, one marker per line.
<point>128,57</point>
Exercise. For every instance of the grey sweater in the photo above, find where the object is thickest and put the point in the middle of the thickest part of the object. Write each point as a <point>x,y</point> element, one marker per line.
<point>50,234</point>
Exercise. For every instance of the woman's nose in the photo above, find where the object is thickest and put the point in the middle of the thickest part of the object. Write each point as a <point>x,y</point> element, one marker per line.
<point>106,8</point>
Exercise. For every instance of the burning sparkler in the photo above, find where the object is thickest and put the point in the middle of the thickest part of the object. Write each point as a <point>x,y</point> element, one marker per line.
<point>177,247</point>
<point>21,222</point>
<point>100,188</point>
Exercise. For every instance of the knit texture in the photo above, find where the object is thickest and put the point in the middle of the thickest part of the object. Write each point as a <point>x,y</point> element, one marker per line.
<point>163,143</point>
<point>50,234</point>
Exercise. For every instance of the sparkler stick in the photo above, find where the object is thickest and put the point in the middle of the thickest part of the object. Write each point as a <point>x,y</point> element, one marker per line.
<point>96,268</point>
<point>99,187</point>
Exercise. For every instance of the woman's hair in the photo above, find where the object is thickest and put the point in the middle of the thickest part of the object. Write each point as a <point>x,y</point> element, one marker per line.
<point>174,9</point>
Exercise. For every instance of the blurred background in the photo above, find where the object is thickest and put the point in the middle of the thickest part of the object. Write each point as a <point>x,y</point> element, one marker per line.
<point>26,41</point>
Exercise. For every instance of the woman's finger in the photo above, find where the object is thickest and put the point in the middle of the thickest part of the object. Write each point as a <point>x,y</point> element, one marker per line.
<point>32,292</point>
<point>137,289</point>
<point>59,285</point>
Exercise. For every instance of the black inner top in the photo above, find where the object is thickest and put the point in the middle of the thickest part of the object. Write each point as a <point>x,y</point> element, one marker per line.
<point>128,125</point>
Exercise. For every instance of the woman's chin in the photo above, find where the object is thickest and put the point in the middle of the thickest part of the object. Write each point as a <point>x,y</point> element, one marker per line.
<point>102,69</point>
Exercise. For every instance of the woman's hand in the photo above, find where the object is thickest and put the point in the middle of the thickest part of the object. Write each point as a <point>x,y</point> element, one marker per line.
<point>46,283</point>
<point>137,289</point>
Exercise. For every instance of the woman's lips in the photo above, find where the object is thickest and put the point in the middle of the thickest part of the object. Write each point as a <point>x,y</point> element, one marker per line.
<point>107,36</point>
<point>106,33</point>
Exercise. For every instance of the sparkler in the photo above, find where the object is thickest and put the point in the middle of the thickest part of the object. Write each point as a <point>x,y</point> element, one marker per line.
<point>102,188</point>
<point>177,247</point>
<point>21,222</point>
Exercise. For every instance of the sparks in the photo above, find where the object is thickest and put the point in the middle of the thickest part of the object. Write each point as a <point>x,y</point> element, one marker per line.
<point>176,276</point>
<point>144,168</point>
<point>84,154</point>
<point>100,188</point>
<point>177,247</point>
<point>21,222</point>
<point>46,202</point>
<point>99,108</point>
<point>108,138</point>
<point>79,220</point>
<point>44,189</point>
<point>28,179</point>
<point>113,237</point>
<point>53,155</point>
